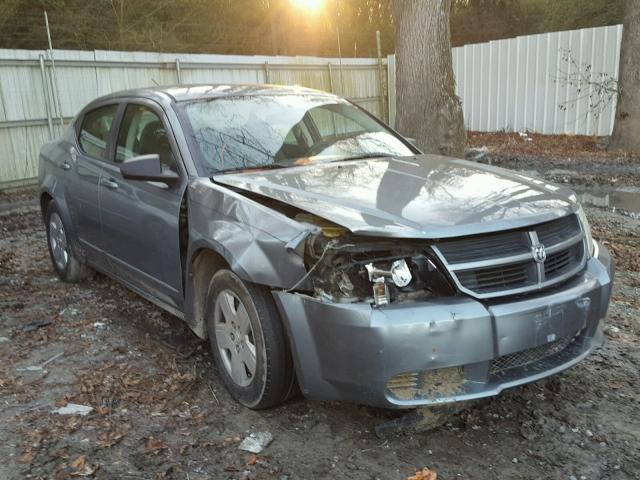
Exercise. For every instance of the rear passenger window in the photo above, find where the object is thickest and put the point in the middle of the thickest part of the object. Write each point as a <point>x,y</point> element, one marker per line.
<point>95,129</point>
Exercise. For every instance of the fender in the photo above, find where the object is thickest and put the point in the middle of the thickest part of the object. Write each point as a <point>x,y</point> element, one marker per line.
<point>238,231</point>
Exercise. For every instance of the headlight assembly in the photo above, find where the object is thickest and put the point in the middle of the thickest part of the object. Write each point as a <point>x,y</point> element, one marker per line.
<point>415,274</point>
<point>591,244</point>
<point>399,273</point>
<point>379,271</point>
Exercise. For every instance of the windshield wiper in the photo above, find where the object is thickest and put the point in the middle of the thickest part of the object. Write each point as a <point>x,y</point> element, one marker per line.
<point>268,166</point>
<point>364,156</point>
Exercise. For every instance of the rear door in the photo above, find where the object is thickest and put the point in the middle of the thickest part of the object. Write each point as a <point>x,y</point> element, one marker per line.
<point>94,133</point>
<point>140,220</point>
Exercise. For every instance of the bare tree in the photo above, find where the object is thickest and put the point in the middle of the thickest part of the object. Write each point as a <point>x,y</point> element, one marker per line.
<point>427,106</point>
<point>600,89</point>
<point>626,130</point>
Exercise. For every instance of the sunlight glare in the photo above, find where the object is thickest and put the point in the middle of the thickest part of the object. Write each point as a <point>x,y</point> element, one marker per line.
<point>311,6</point>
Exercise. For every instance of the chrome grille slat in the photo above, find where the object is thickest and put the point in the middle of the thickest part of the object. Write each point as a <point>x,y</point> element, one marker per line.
<point>493,261</point>
<point>503,263</point>
<point>562,245</point>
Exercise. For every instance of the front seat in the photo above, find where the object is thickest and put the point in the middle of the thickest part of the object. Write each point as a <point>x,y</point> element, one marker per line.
<point>154,140</point>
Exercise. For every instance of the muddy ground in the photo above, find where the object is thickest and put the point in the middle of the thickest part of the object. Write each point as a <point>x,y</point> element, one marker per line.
<point>576,159</point>
<point>160,412</point>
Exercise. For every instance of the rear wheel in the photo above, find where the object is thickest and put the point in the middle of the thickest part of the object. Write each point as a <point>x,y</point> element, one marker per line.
<point>248,342</point>
<point>65,262</point>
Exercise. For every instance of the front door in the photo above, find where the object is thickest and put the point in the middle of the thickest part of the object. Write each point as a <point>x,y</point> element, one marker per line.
<point>140,220</point>
<point>88,160</point>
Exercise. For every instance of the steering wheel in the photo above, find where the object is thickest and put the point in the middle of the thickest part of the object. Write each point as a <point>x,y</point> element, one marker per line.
<point>316,148</point>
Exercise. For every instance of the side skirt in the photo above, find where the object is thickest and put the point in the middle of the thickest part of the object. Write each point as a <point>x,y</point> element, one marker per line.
<point>147,296</point>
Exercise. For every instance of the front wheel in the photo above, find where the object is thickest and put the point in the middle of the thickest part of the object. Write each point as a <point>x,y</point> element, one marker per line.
<point>248,342</point>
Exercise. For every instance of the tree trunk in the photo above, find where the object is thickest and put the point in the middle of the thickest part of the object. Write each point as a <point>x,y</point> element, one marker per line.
<point>626,129</point>
<point>428,109</point>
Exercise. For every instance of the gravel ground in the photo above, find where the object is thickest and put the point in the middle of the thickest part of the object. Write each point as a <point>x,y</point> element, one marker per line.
<point>160,412</point>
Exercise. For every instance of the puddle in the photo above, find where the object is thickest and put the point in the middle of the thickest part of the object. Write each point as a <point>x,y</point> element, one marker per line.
<point>621,199</point>
<point>625,199</point>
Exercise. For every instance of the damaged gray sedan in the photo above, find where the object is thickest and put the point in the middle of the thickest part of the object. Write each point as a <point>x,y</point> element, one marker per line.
<point>316,248</point>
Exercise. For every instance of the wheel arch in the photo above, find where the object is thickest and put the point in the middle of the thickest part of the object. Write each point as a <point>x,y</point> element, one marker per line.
<point>203,263</point>
<point>45,199</point>
<point>48,195</point>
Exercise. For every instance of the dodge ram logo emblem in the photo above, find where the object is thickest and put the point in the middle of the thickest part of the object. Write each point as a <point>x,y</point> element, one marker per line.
<point>539,253</point>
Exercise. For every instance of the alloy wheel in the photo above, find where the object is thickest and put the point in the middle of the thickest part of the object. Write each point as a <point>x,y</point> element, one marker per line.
<point>58,241</point>
<point>235,338</point>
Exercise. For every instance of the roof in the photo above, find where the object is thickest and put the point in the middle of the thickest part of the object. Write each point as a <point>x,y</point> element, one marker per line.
<point>181,93</point>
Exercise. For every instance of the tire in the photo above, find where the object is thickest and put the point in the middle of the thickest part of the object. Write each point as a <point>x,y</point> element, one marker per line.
<point>242,319</point>
<point>66,263</point>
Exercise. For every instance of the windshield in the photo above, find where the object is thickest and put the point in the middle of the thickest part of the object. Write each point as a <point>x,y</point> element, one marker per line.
<point>269,131</point>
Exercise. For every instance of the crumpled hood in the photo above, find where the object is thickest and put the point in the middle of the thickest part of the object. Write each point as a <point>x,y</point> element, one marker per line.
<point>426,196</point>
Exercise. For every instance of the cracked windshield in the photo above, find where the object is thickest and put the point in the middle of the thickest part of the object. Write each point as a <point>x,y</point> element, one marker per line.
<point>274,131</point>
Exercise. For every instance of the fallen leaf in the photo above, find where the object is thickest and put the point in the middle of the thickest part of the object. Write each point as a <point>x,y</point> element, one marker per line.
<point>155,446</point>
<point>79,462</point>
<point>26,457</point>
<point>230,467</point>
<point>108,439</point>
<point>82,468</point>
<point>253,459</point>
<point>424,474</point>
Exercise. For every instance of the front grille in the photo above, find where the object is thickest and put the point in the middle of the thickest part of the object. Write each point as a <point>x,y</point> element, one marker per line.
<point>497,278</point>
<point>494,246</point>
<point>505,263</point>
<point>529,356</point>
<point>559,263</point>
<point>558,231</point>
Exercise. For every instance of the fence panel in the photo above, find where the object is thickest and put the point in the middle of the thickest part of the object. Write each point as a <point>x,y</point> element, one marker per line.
<point>32,98</point>
<point>520,83</point>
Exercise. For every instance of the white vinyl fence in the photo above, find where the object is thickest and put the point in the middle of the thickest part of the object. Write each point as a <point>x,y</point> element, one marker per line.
<point>520,83</point>
<point>514,84</point>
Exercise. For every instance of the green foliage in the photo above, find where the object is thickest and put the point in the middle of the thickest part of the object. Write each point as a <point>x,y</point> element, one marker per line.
<point>572,14</point>
<point>474,21</point>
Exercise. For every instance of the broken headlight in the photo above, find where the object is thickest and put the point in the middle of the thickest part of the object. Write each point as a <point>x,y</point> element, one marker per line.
<point>399,273</point>
<point>377,271</point>
<point>406,278</point>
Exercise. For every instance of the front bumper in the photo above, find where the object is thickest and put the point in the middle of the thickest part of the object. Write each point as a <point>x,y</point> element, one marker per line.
<point>443,350</point>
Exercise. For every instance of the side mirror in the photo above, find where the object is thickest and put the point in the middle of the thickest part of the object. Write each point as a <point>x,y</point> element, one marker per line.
<point>147,168</point>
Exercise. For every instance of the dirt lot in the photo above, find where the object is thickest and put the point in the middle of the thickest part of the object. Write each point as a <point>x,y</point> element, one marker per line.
<point>559,158</point>
<point>160,412</point>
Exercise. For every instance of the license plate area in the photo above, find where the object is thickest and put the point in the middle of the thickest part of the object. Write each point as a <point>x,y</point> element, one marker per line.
<point>532,326</point>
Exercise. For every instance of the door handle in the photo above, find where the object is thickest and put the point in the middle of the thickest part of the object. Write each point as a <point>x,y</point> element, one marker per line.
<point>110,183</point>
<point>65,165</point>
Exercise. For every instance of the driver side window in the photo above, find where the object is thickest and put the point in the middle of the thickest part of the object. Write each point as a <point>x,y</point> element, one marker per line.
<point>143,133</point>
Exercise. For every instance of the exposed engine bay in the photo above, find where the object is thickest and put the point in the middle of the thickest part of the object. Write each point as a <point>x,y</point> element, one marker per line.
<point>344,267</point>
